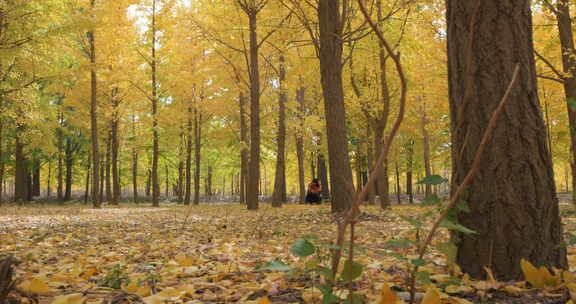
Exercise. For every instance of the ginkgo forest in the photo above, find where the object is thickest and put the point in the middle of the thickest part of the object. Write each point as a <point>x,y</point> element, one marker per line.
<point>287,151</point>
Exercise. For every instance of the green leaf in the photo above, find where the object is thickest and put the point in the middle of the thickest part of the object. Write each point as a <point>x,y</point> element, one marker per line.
<point>571,102</point>
<point>400,243</point>
<point>433,180</point>
<point>354,299</point>
<point>275,266</point>
<point>325,271</point>
<point>424,277</point>
<point>303,248</point>
<point>328,296</point>
<point>351,271</point>
<point>448,224</point>
<point>432,200</point>
<point>418,262</point>
<point>412,221</point>
<point>450,250</point>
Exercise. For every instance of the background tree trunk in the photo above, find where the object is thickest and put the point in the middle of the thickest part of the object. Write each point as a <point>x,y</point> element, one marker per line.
<point>155,151</point>
<point>36,187</point>
<point>330,54</point>
<point>115,150</point>
<point>96,199</point>
<point>188,194</point>
<point>87,187</point>
<point>409,169</point>
<point>70,149</point>
<point>279,195</point>
<point>300,98</point>
<point>60,144</point>
<point>108,182</point>
<point>197,153</point>
<point>20,170</point>
<point>426,150</point>
<point>244,149</point>
<point>514,208</point>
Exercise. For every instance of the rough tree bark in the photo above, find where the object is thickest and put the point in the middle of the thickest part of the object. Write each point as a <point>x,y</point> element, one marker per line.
<point>107,163</point>
<point>254,163</point>
<point>279,195</point>
<point>71,148</point>
<point>60,144</point>
<point>134,164</point>
<point>514,208</point>
<point>330,53</point>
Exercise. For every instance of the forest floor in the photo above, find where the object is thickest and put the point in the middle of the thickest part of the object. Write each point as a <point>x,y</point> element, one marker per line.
<point>212,254</point>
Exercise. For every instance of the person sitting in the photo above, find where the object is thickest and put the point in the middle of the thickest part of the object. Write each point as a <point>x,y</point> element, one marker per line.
<point>314,192</point>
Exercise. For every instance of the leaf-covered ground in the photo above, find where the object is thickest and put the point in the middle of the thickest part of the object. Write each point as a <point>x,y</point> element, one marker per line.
<point>211,254</point>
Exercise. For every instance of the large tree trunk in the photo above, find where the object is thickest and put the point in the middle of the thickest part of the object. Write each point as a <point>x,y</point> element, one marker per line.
<point>398,187</point>
<point>371,197</point>
<point>94,119</point>
<point>20,171</point>
<point>514,208</point>
<point>155,152</point>
<point>244,157</point>
<point>254,163</point>
<point>197,153</point>
<point>300,95</point>
<point>330,54</point>
<point>279,195</point>
<point>409,169</point>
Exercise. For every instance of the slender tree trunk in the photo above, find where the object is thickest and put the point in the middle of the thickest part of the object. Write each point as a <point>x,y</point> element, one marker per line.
<point>155,152</point>
<point>36,178</point>
<point>167,182</point>
<point>323,176</point>
<point>566,33</point>
<point>48,182</point>
<point>189,135</point>
<point>254,164</point>
<point>148,182</point>
<point>330,53</point>
<point>102,173</point>
<point>60,135</point>
<point>513,203</point>
<point>1,154</point>
<point>134,164</point>
<point>181,163</point>
<point>398,187</point>
<point>300,98</point>
<point>20,170</point>
<point>197,153</point>
<point>370,163</point>
<point>382,182</point>
<point>87,187</point>
<point>426,150</point>
<point>96,200</point>
<point>244,157</point>
<point>115,150</point>
<point>279,195</point>
<point>209,182</point>
<point>69,169</point>
<point>409,169</point>
<point>107,163</point>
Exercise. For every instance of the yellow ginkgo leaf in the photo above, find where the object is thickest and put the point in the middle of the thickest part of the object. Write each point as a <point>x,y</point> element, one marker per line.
<point>75,298</point>
<point>388,296</point>
<point>184,260</point>
<point>432,296</point>
<point>144,291</point>
<point>154,299</point>
<point>35,286</point>
<point>263,300</point>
